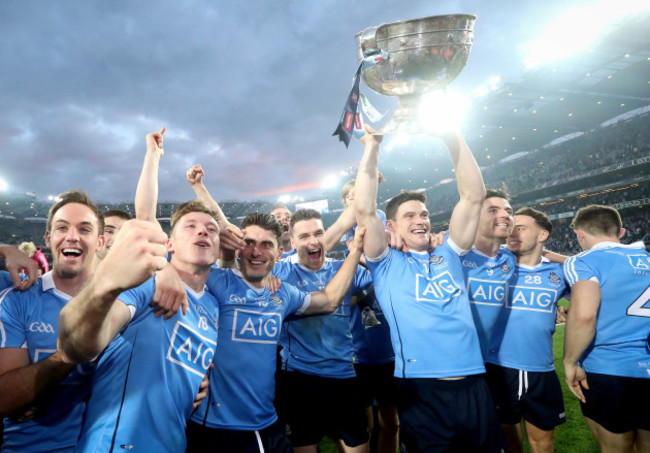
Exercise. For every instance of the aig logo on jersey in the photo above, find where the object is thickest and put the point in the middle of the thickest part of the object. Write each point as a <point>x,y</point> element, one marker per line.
<point>532,298</point>
<point>486,292</point>
<point>251,326</point>
<point>437,289</point>
<point>191,350</point>
<point>640,262</point>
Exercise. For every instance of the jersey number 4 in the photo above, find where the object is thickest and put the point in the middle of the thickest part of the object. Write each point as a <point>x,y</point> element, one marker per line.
<point>637,308</point>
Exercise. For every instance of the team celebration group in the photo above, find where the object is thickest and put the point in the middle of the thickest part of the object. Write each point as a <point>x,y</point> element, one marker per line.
<point>225,338</point>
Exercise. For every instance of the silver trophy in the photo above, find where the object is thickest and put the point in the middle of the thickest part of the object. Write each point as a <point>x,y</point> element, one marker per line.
<point>413,57</point>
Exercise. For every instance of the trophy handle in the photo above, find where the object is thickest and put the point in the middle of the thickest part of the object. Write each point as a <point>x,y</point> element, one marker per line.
<point>367,40</point>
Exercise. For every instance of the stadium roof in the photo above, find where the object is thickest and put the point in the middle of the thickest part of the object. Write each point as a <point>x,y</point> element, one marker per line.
<point>567,97</point>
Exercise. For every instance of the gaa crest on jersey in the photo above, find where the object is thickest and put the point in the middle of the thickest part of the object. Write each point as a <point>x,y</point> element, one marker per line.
<point>435,259</point>
<point>505,268</point>
<point>554,278</point>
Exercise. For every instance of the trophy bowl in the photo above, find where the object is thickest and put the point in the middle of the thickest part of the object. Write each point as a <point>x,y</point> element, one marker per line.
<point>413,57</point>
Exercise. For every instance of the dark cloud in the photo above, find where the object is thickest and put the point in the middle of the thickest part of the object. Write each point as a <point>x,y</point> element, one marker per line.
<point>251,90</point>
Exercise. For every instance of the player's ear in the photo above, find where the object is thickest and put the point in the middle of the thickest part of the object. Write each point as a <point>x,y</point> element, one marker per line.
<point>621,233</point>
<point>101,240</point>
<point>389,225</point>
<point>543,235</point>
<point>47,239</point>
<point>170,245</point>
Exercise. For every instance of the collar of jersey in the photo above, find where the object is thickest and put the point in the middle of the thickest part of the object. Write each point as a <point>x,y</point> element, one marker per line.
<point>194,293</point>
<point>617,245</point>
<point>47,283</point>
<point>536,266</point>
<point>293,259</point>
<point>237,272</point>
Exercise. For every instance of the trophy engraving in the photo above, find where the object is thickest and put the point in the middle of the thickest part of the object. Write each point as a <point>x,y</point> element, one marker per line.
<point>414,57</point>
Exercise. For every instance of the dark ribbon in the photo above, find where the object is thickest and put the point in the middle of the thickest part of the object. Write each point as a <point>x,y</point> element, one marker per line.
<point>349,117</point>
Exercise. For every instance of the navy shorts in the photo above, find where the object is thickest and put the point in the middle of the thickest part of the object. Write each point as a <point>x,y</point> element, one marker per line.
<point>271,439</point>
<point>535,396</point>
<point>619,404</point>
<point>378,383</point>
<point>316,406</point>
<point>448,415</point>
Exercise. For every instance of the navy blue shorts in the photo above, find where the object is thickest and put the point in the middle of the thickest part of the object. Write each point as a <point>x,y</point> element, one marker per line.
<point>378,383</point>
<point>316,406</point>
<point>448,415</point>
<point>535,396</point>
<point>619,404</point>
<point>271,439</point>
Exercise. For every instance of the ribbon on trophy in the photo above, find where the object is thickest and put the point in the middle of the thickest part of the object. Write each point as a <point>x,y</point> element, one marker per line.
<point>350,117</point>
<point>351,122</point>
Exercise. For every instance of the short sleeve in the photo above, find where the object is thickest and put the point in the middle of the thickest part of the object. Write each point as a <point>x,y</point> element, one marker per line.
<point>576,269</point>
<point>12,328</point>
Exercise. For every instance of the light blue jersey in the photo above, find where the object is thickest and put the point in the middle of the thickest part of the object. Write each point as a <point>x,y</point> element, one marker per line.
<point>425,302</point>
<point>30,320</point>
<point>242,383</point>
<point>5,280</point>
<point>623,273</point>
<point>523,335</point>
<point>371,346</point>
<point>288,254</point>
<point>487,286</point>
<point>147,379</point>
<point>319,345</point>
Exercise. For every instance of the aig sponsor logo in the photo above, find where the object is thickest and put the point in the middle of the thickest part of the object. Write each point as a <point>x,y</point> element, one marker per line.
<point>42,327</point>
<point>191,350</point>
<point>486,292</point>
<point>251,326</point>
<point>640,262</point>
<point>437,289</point>
<point>532,298</point>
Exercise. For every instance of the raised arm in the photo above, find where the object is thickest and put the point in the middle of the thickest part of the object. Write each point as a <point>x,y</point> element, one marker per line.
<point>365,197</point>
<point>465,217</point>
<point>146,194</point>
<point>343,224</point>
<point>195,178</point>
<point>329,299</point>
<point>89,322</point>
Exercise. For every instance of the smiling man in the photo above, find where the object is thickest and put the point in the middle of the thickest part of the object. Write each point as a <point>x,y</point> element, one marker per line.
<point>238,414</point>
<point>521,374</point>
<point>443,400</point>
<point>320,392</point>
<point>42,396</point>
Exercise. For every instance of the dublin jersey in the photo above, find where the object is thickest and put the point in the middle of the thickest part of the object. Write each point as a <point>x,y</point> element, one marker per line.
<point>371,346</point>
<point>242,383</point>
<point>288,254</point>
<point>523,335</point>
<point>487,286</point>
<point>30,319</point>
<point>425,302</point>
<point>319,345</point>
<point>623,273</point>
<point>147,379</point>
<point>5,280</point>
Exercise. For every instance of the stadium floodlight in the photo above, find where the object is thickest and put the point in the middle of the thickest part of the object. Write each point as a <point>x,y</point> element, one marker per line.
<point>443,111</point>
<point>330,181</point>
<point>284,198</point>
<point>577,29</point>
<point>3,185</point>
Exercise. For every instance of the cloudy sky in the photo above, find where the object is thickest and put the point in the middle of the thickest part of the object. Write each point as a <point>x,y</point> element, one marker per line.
<point>251,90</point>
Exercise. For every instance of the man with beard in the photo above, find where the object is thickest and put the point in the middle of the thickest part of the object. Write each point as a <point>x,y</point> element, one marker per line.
<point>43,396</point>
<point>521,374</point>
<point>320,394</point>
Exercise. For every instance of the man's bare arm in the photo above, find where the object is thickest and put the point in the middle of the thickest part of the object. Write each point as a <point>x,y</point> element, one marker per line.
<point>330,298</point>
<point>465,217</point>
<point>146,194</point>
<point>89,322</point>
<point>580,331</point>
<point>343,224</point>
<point>22,383</point>
<point>365,197</point>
